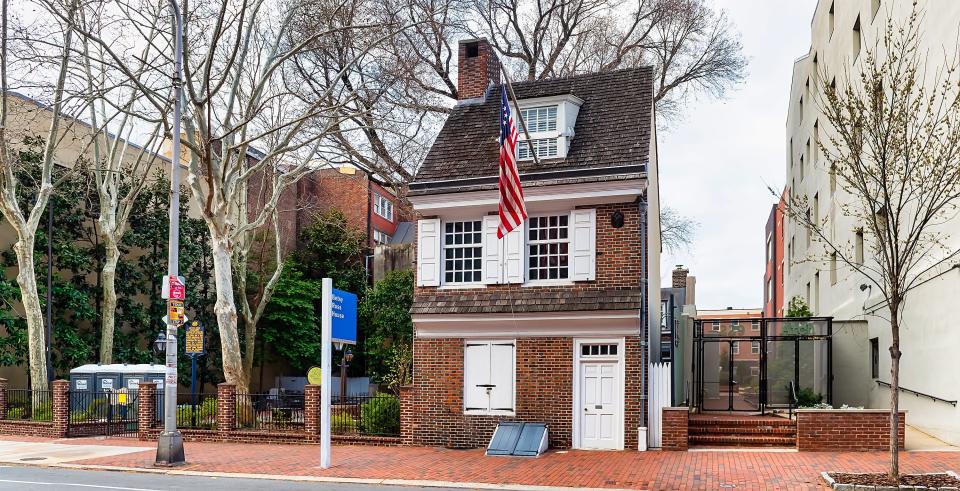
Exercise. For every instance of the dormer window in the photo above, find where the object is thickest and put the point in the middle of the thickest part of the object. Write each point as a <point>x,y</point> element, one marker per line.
<point>549,122</point>
<point>540,119</point>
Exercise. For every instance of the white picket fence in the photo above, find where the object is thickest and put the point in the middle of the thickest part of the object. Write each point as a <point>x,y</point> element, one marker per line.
<point>659,397</point>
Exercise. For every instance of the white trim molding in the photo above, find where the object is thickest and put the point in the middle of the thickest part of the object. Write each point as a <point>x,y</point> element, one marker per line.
<point>533,324</point>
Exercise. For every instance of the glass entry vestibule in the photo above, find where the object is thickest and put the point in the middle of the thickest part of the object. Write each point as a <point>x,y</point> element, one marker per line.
<point>753,364</point>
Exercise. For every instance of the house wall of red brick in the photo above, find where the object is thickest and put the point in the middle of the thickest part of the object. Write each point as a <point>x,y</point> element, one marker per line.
<point>544,393</point>
<point>846,430</point>
<point>619,254</point>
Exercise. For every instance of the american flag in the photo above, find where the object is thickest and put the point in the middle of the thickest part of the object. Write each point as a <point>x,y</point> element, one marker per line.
<point>512,209</point>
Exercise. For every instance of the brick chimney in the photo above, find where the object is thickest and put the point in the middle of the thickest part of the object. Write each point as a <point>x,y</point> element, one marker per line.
<point>477,66</point>
<point>680,276</point>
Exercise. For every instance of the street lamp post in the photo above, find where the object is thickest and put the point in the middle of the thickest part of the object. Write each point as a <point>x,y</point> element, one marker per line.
<point>344,364</point>
<point>170,443</point>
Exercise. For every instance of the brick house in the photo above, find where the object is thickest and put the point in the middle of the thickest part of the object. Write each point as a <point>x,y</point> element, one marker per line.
<point>549,324</point>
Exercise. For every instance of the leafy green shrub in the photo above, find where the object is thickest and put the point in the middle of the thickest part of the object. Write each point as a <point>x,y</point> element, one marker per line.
<point>16,413</point>
<point>381,415</point>
<point>342,423</point>
<point>43,411</point>
<point>806,397</point>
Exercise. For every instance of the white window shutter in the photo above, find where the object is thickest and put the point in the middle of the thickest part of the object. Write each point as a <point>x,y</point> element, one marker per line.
<point>583,251</point>
<point>492,270</point>
<point>476,375</point>
<point>502,375</point>
<point>428,252</point>
<point>513,254</point>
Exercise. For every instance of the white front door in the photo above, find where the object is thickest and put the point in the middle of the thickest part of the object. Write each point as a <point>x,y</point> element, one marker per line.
<point>599,405</point>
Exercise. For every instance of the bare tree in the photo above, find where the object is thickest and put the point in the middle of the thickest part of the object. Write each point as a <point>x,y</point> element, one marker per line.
<point>120,169</point>
<point>24,217</point>
<point>676,231</point>
<point>894,148</point>
<point>692,48</point>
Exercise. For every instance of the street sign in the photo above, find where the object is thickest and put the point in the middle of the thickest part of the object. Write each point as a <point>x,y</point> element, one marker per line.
<point>315,376</point>
<point>344,317</point>
<point>173,288</point>
<point>175,312</point>
<point>194,342</point>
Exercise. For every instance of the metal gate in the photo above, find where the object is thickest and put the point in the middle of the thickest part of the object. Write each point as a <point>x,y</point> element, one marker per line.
<point>103,413</point>
<point>749,364</point>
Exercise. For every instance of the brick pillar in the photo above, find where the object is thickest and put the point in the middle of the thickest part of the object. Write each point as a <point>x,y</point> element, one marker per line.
<point>3,398</point>
<point>146,409</point>
<point>311,411</point>
<point>61,407</point>
<point>676,421</point>
<point>408,424</point>
<point>226,407</point>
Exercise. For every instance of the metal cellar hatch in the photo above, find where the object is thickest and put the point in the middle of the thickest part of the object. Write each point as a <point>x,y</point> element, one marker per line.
<point>518,439</point>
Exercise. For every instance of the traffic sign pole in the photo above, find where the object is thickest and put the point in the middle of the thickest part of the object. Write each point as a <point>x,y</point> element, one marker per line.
<point>326,337</point>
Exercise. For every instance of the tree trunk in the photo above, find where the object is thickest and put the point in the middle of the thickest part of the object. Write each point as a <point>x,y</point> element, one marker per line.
<point>109,308</point>
<point>894,389</point>
<point>36,337</point>
<point>225,309</point>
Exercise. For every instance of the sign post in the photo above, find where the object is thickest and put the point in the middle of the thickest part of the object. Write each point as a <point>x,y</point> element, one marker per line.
<point>326,339</point>
<point>338,324</point>
<point>194,342</point>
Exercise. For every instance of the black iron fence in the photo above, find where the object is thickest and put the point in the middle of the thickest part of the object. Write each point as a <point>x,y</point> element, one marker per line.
<point>198,412</point>
<point>271,411</point>
<point>35,405</point>
<point>377,415</point>
<point>107,413</point>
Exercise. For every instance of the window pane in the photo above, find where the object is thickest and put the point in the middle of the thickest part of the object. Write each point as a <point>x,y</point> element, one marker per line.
<point>462,251</point>
<point>548,247</point>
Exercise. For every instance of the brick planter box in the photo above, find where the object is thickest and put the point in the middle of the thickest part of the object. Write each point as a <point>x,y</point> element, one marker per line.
<point>846,430</point>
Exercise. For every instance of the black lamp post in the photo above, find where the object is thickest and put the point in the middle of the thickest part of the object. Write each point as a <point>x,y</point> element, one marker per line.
<point>344,364</point>
<point>160,344</point>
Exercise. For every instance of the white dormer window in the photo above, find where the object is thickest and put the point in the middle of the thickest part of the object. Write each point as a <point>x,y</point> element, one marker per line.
<point>549,122</point>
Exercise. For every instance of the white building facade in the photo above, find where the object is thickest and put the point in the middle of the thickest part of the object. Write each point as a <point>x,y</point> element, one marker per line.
<point>841,33</point>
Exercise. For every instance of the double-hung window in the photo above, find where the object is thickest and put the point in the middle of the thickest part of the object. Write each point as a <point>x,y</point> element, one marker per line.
<point>548,248</point>
<point>462,252</point>
<point>383,206</point>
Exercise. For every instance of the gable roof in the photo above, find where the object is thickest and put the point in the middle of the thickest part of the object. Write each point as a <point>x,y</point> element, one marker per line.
<point>611,135</point>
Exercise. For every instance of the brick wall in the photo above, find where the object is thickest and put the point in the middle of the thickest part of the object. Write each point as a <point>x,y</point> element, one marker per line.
<point>476,69</point>
<point>226,407</point>
<point>327,189</point>
<point>846,430</point>
<point>55,428</point>
<point>311,409</point>
<point>676,422</point>
<point>544,393</point>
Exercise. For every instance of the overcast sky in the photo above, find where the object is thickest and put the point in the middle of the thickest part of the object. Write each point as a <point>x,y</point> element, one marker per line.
<point>716,163</point>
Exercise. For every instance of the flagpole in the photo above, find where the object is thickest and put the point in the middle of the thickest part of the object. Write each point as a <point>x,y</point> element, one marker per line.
<point>523,124</point>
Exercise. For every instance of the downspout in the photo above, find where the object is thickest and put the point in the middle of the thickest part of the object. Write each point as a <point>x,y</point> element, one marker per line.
<point>644,313</point>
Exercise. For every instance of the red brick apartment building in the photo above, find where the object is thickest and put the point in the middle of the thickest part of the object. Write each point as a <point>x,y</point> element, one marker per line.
<point>367,202</point>
<point>545,325</point>
<point>773,300</point>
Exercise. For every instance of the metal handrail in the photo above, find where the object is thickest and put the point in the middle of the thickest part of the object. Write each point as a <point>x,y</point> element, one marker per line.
<point>918,393</point>
<point>794,401</point>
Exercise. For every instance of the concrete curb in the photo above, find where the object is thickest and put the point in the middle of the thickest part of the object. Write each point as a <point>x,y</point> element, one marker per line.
<point>325,479</point>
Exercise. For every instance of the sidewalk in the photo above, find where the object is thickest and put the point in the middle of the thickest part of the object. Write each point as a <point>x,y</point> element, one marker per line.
<point>649,470</point>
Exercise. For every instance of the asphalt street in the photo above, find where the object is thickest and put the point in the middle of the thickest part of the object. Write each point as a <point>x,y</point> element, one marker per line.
<point>48,478</point>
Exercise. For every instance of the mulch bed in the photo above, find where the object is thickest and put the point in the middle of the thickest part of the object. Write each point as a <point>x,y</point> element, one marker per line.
<point>928,480</point>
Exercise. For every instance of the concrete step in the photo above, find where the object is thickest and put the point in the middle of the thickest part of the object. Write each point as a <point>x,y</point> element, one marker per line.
<point>746,421</point>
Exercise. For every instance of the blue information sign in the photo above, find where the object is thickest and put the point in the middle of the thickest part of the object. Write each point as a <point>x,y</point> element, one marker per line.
<point>344,317</point>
